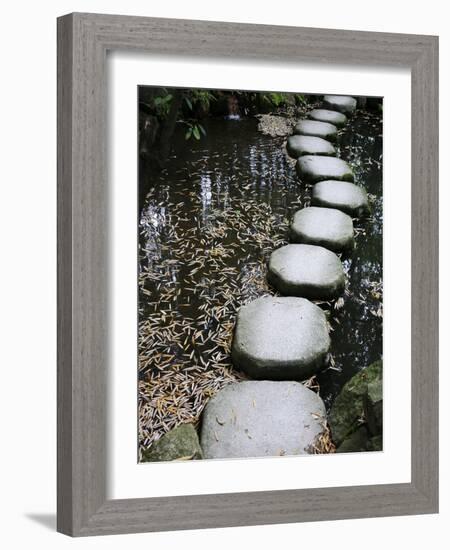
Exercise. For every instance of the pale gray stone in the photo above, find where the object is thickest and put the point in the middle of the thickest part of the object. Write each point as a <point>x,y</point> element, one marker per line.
<point>308,145</point>
<point>332,117</point>
<point>348,197</point>
<point>326,227</point>
<point>306,270</point>
<point>262,418</point>
<point>280,338</point>
<point>343,103</point>
<point>314,168</point>
<point>314,128</point>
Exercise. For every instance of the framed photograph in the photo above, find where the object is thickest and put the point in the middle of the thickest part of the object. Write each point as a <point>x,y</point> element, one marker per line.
<point>247,274</point>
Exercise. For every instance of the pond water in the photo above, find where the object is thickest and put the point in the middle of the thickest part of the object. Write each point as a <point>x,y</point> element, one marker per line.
<point>208,224</point>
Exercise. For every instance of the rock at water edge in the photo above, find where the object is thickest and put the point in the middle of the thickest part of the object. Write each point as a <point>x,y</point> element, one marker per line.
<point>181,443</point>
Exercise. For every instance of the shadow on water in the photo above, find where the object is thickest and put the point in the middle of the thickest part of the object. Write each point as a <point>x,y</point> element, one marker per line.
<point>207,227</point>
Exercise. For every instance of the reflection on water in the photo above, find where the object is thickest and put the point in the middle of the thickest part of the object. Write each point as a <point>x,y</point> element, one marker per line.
<point>207,227</point>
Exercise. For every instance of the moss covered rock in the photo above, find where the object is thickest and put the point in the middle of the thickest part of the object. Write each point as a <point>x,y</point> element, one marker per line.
<point>181,443</point>
<point>351,411</point>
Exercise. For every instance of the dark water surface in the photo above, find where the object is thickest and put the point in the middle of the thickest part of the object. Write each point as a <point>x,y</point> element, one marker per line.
<point>207,228</point>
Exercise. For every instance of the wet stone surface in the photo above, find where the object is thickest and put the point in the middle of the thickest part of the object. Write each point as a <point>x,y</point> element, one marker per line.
<point>261,418</point>
<point>308,271</point>
<point>297,146</point>
<point>318,129</point>
<point>325,227</point>
<point>312,169</point>
<point>332,117</point>
<point>348,197</point>
<point>280,339</point>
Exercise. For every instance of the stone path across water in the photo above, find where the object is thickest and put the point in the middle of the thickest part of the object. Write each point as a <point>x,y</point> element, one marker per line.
<point>287,338</point>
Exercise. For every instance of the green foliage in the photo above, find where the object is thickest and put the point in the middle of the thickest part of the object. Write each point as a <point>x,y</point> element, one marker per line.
<point>276,98</point>
<point>194,130</point>
<point>161,104</point>
<point>203,97</point>
<point>300,99</point>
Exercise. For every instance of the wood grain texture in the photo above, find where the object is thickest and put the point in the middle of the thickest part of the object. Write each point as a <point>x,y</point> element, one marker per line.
<point>83,205</point>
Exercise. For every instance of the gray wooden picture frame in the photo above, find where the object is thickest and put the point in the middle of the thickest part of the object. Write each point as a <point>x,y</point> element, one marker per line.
<point>83,41</point>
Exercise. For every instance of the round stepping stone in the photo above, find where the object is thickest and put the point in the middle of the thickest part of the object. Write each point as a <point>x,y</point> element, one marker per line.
<point>280,338</point>
<point>308,145</point>
<point>332,117</point>
<point>326,227</point>
<point>262,418</point>
<point>305,270</point>
<point>314,168</point>
<point>316,128</point>
<point>348,197</point>
<point>343,103</point>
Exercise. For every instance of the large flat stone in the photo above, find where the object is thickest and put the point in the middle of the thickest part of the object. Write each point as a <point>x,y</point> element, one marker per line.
<point>308,145</point>
<point>325,227</point>
<point>348,197</point>
<point>261,418</point>
<point>314,128</point>
<point>314,168</point>
<point>325,115</point>
<point>308,271</point>
<point>343,103</point>
<point>280,338</point>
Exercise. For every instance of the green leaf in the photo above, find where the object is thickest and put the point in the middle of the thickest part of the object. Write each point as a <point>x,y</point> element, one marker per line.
<point>188,134</point>
<point>188,101</point>
<point>196,132</point>
<point>202,130</point>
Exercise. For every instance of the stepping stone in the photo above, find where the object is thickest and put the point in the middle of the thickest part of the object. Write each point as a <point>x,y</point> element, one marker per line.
<point>262,418</point>
<point>280,338</point>
<point>332,117</point>
<point>343,103</point>
<point>314,168</point>
<point>325,227</point>
<point>348,197</point>
<point>308,271</point>
<point>180,443</point>
<point>308,145</point>
<point>317,129</point>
